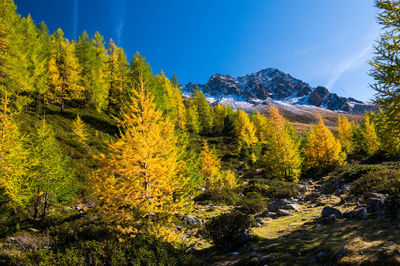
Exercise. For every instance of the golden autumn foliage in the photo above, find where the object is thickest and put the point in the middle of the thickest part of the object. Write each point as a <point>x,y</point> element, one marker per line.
<point>345,134</point>
<point>12,158</point>
<point>140,183</point>
<point>282,156</point>
<point>245,129</point>
<point>322,149</point>
<point>211,170</point>
<point>210,166</point>
<point>64,79</point>
<point>78,127</point>
<point>261,125</point>
<point>220,114</point>
<point>371,142</point>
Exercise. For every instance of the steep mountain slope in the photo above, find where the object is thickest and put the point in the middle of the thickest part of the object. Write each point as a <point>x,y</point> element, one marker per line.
<point>254,90</point>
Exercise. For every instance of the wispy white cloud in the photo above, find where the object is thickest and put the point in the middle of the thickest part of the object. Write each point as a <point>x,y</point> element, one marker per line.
<point>119,13</point>
<point>76,7</point>
<point>351,62</point>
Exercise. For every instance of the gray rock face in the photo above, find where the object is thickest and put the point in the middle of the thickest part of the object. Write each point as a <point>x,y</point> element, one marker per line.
<point>272,84</point>
<point>328,211</point>
<point>192,220</point>
<point>283,212</point>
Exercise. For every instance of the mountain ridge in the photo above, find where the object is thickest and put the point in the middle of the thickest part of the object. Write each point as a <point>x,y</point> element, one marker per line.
<point>271,85</point>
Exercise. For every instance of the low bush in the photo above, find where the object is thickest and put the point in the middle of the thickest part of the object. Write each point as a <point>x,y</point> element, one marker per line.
<point>140,250</point>
<point>252,203</point>
<point>276,189</point>
<point>225,229</point>
<point>386,181</point>
<point>351,172</point>
<point>220,196</point>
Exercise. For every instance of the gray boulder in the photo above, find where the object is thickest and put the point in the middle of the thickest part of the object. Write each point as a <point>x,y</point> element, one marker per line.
<point>328,211</point>
<point>192,220</point>
<point>266,214</point>
<point>358,213</point>
<point>283,212</point>
<point>276,205</point>
<point>380,196</point>
<point>375,205</point>
<point>292,206</point>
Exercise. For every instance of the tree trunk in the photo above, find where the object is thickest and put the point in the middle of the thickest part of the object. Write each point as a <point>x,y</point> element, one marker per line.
<point>36,205</point>
<point>44,206</point>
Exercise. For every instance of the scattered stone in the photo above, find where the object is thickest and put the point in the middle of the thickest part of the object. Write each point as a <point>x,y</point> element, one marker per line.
<point>283,212</point>
<point>192,220</point>
<point>235,253</point>
<point>266,214</point>
<point>375,196</point>
<point>312,196</point>
<point>342,252</point>
<point>329,219</point>
<point>292,206</point>
<point>328,211</point>
<point>275,205</point>
<point>358,213</point>
<point>375,205</point>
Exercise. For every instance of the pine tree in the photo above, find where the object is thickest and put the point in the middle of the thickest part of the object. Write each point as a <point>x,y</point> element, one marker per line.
<point>244,129</point>
<point>141,182</point>
<point>386,69</point>
<point>322,149</point>
<point>371,142</point>
<point>345,134</point>
<point>282,156</point>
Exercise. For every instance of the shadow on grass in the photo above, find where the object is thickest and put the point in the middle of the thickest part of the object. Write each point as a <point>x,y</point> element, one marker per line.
<point>370,242</point>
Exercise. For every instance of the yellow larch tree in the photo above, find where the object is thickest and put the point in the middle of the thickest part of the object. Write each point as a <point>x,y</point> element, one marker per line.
<point>345,133</point>
<point>64,79</point>
<point>210,165</point>
<point>78,127</point>
<point>215,177</point>
<point>13,166</point>
<point>261,125</point>
<point>282,156</point>
<point>245,129</point>
<point>219,120</point>
<point>141,182</point>
<point>322,149</point>
<point>371,142</point>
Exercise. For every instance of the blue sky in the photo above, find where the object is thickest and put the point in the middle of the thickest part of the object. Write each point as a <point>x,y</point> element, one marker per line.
<point>324,43</point>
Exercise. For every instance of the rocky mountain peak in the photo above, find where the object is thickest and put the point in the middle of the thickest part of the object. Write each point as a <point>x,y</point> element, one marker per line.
<point>271,84</point>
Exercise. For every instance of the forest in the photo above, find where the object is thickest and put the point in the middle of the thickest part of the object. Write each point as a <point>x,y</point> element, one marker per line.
<point>103,162</point>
